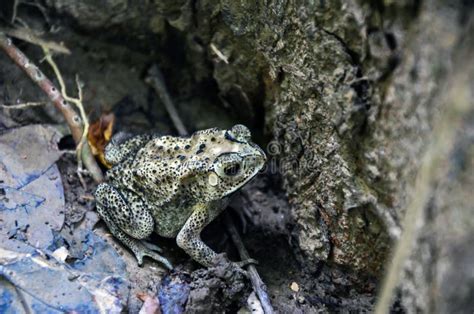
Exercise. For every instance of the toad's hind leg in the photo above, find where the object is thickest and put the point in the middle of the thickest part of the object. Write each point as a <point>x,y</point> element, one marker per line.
<point>128,220</point>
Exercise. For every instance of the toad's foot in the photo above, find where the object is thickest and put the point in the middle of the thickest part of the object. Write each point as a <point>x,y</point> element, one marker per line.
<point>152,246</point>
<point>140,249</point>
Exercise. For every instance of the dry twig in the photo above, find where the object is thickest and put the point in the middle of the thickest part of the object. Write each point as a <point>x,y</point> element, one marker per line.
<point>31,37</point>
<point>155,79</point>
<point>23,105</point>
<point>60,102</point>
<point>257,283</point>
<point>78,103</point>
<point>16,3</point>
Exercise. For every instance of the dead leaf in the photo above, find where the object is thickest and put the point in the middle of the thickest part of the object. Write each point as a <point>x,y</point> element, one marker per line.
<point>31,192</point>
<point>100,133</point>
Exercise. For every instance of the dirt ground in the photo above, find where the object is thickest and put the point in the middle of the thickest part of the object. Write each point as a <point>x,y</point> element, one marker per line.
<point>267,237</point>
<point>262,207</point>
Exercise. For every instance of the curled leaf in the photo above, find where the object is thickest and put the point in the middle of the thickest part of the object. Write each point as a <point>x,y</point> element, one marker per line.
<point>100,133</point>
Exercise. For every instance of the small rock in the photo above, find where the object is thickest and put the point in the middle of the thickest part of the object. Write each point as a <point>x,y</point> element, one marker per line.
<point>295,287</point>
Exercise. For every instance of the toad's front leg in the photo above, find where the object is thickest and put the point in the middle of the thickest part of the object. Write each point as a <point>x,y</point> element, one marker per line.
<point>189,238</point>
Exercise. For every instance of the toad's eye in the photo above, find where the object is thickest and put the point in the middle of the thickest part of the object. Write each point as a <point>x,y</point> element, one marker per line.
<point>228,165</point>
<point>239,133</point>
<point>232,170</point>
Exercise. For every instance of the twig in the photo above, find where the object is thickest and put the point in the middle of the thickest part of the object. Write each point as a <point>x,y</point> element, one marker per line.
<point>78,103</point>
<point>156,80</point>
<point>41,8</point>
<point>72,119</point>
<point>24,105</point>
<point>29,36</point>
<point>16,3</point>
<point>257,283</point>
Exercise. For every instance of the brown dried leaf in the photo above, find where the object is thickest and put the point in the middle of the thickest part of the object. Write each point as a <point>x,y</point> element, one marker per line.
<point>99,135</point>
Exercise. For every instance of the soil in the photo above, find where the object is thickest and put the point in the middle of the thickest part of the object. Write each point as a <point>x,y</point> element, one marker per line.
<point>260,209</point>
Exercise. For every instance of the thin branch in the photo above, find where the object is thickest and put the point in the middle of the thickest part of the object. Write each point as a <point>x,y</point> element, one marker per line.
<point>72,119</point>
<point>24,105</point>
<point>41,8</point>
<point>155,79</point>
<point>257,283</point>
<point>44,83</point>
<point>16,3</point>
<point>31,37</point>
<point>78,103</point>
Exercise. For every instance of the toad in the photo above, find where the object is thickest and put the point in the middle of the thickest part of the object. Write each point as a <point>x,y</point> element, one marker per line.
<point>174,186</point>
